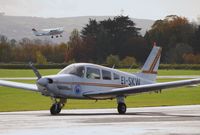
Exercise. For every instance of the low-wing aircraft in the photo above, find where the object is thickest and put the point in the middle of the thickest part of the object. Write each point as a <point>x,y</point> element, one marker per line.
<point>91,81</point>
<point>49,32</point>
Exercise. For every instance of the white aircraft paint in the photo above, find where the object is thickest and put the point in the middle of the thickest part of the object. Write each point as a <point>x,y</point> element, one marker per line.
<point>49,32</point>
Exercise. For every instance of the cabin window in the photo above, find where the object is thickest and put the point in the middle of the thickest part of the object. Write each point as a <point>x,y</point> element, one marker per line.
<point>93,73</point>
<point>80,71</point>
<point>74,70</point>
<point>116,76</point>
<point>106,75</point>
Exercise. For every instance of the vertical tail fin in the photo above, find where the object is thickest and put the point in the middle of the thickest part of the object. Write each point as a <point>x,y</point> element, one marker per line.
<point>150,68</point>
<point>35,31</point>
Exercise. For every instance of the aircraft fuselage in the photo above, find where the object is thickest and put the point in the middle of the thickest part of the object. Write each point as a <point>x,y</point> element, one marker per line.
<point>93,78</point>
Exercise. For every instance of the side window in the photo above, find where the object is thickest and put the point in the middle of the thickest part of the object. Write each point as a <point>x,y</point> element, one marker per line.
<point>116,76</point>
<point>106,75</point>
<point>93,73</point>
<point>80,71</point>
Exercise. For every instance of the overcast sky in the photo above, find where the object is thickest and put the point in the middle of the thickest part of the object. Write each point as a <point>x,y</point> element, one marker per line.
<point>144,9</point>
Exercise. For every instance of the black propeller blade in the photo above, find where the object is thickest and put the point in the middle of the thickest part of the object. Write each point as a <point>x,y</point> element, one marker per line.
<point>35,70</point>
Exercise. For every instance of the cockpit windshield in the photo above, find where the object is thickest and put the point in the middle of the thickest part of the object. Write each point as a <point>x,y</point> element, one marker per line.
<point>74,70</point>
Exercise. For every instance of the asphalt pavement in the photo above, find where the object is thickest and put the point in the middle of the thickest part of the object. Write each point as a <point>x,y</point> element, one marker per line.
<point>174,120</point>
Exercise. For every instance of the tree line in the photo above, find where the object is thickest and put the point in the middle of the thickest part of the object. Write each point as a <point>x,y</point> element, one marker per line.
<point>111,41</point>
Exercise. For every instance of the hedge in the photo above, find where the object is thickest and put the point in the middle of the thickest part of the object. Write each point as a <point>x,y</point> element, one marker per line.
<point>38,66</point>
<point>62,65</point>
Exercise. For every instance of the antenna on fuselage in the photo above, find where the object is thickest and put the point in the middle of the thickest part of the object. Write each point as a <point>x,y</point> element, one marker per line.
<point>129,69</point>
<point>113,66</point>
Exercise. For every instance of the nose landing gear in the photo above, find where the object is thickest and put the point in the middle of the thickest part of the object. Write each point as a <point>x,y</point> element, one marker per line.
<point>57,106</point>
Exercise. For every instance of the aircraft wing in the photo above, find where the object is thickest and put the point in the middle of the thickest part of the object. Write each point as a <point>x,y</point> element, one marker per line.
<point>139,89</point>
<point>25,86</point>
<point>53,29</point>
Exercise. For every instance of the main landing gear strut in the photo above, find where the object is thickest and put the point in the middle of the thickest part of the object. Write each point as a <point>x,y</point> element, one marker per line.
<point>121,105</point>
<point>57,106</point>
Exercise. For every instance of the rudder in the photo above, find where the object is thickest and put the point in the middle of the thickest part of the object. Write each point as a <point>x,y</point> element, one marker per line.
<point>150,68</point>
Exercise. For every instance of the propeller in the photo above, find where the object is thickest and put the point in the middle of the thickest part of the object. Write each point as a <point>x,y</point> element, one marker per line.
<point>35,70</point>
<point>41,81</point>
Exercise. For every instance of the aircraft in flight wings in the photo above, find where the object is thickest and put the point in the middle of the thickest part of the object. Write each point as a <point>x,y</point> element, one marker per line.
<point>95,82</point>
<point>49,32</point>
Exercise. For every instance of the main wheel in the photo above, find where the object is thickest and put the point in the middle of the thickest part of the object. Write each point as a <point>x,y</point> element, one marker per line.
<point>121,108</point>
<point>55,109</point>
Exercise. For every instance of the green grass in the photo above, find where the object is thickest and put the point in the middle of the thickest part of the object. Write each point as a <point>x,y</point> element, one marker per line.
<point>169,72</point>
<point>26,72</point>
<point>29,73</point>
<point>17,100</point>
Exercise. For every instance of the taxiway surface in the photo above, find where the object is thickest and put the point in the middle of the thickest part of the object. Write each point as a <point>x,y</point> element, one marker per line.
<point>175,120</point>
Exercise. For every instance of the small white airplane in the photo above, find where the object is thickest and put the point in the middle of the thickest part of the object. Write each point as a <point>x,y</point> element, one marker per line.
<point>91,81</point>
<point>49,32</point>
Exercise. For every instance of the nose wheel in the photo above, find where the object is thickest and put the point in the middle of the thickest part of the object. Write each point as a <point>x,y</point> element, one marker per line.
<point>57,106</point>
<point>55,109</point>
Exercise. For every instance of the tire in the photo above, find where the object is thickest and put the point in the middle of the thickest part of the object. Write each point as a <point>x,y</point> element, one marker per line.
<point>58,109</point>
<point>55,109</point>
<point>121,108</point>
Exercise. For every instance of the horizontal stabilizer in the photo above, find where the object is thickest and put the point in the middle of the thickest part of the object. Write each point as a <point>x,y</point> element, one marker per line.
<point>34,29</point>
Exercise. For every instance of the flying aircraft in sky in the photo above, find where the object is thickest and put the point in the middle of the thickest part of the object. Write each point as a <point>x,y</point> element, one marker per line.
<point>49,32</point>
<point>95,82</point>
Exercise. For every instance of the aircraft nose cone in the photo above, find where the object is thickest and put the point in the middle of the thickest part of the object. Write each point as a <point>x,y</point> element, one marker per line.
<point>43,81</point>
